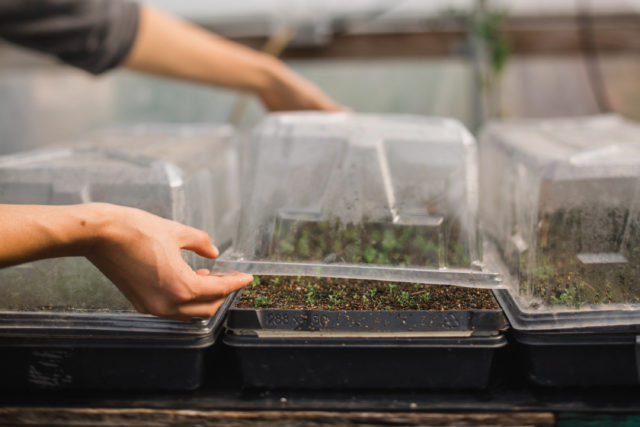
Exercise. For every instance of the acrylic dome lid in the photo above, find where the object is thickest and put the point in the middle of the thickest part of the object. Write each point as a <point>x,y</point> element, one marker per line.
<point>560,199</point>
<point>360,196</point>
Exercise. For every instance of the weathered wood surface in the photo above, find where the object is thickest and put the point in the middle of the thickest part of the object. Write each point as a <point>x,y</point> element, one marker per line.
<point>164,417</point>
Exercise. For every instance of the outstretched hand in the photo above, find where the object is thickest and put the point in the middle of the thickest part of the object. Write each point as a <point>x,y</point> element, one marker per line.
<point>141,254</point>
<point>287,91</point>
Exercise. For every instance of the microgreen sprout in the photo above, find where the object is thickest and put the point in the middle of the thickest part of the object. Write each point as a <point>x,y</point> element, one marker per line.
<point>261,302</point>
<point>311,295</point>
<point>256,282</point>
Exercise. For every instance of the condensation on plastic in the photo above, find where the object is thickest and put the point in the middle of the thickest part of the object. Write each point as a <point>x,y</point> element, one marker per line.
<point>186,173</point>
<point>385,197</point>
<point>560,202</point>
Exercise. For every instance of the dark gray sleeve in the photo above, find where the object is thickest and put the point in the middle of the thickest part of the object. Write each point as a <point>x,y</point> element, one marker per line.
<point>95,35</point>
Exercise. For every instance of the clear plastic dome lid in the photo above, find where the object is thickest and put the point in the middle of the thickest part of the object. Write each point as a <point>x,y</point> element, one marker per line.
<point>561,201</point>
<point>184,173</point>
<point>360,196</point>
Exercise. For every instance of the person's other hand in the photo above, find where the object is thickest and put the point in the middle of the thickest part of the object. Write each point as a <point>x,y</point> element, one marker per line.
<point>287,91</point>
<point>141,254</point>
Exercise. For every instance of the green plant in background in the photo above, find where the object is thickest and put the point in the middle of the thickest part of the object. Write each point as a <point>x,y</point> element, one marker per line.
<point>565,298</point>
<point>373,243</point>
<point>389,242</point>
<point>370,254</point>
<point>489,29</point>
<point>261,302</point>
<point>303,247</point>
<point>544,272</point>
<point>458,254</point>
<point>287,248</point>
<point>382,259</point>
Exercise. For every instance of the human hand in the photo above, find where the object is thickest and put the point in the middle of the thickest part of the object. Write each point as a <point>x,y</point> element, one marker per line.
<point>287,91</point>
<point>141,254</point>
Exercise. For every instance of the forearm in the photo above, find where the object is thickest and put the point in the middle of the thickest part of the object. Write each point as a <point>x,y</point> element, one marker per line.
<point>30,232</point>
<point>168,46</point>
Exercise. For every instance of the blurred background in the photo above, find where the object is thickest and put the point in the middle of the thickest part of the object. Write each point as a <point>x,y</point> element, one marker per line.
<point>468,59</point>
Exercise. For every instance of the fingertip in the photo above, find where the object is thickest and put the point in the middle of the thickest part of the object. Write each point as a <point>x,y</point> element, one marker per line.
<point>203,272</point>
<point>246,277</point>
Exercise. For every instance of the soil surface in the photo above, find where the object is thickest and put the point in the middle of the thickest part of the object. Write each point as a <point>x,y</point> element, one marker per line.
<point>320,293</point>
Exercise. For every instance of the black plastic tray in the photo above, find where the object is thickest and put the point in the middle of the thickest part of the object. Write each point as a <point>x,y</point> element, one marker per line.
<point>603,355</point>
<point>372,321</point>
<point>327,349</point>
<point>597,321</point>
<point>104,351</point>
<point>364,363</point>
<point>581,359</point>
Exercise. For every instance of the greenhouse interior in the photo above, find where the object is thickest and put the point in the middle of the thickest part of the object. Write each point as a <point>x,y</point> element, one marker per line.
<point>290,212</point>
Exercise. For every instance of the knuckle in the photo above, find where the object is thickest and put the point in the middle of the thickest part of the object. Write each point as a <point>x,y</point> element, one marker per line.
<point>183,294</point>
<point>204,236</point>
<point>182,290</point>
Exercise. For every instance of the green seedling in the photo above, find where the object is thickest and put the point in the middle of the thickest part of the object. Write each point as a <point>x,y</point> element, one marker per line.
<point>392,287</point>
<point>261,302</point>
<point>370,254</point>
<point>382,259</point>
<point>334,300</point>
<point>256,282</point>
<point>311,295</point>
<point>286,248</point>
<point>388,241</point>
<point>404,299</point>
<point>565,298</point>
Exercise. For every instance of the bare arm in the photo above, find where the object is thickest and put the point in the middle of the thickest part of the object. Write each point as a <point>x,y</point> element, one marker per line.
<point>138,251</point>
<point>167,46</point>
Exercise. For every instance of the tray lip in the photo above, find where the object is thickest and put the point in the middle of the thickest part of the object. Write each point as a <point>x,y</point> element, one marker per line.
<point>49,329</point>
<point>498,321</point>
<point>572,338</point>
<point>473,342</point>
<point>567,321</point>
<point>464,277</point>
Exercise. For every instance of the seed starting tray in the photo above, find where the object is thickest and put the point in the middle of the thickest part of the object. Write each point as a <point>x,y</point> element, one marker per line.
<point>324,349</point>
<point>104,351</point>
<point>474,321</point>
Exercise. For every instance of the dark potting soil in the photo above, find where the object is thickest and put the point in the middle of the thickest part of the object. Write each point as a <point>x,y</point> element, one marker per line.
<point>321,293</point>
<point>559,278</point>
